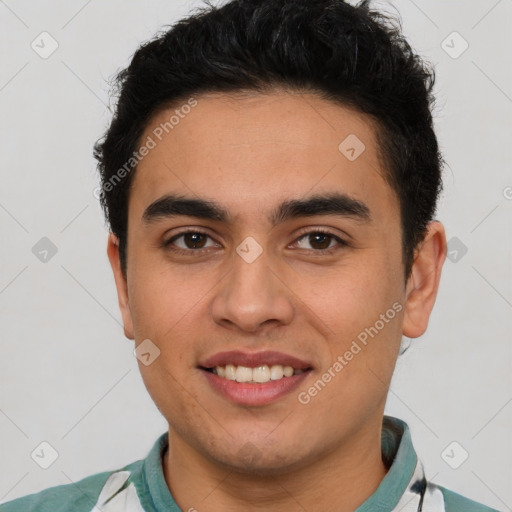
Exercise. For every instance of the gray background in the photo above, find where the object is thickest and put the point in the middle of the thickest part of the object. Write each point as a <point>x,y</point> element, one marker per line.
<point>67,374</point>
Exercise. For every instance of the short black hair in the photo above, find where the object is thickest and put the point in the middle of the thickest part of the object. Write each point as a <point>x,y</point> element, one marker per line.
<point>348,54</point>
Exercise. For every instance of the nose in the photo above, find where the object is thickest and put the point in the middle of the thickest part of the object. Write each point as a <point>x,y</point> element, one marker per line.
<point>253,295</point>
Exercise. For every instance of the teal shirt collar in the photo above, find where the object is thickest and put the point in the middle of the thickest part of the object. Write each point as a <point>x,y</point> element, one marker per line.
<point>397,448</point>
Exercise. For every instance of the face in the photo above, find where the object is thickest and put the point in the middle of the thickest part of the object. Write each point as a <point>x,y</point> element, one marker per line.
<point>264,246</point>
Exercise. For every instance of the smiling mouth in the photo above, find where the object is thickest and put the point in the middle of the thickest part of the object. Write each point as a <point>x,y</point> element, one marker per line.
<point>257,375</point>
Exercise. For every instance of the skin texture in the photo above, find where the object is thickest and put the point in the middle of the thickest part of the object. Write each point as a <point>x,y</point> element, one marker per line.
<point>250,152</point>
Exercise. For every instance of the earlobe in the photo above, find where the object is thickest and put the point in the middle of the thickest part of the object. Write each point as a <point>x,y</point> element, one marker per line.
<point>423,283</point>
<point>121,285</point>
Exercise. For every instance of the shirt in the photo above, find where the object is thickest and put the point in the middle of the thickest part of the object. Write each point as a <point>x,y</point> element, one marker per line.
<point>141,486</point>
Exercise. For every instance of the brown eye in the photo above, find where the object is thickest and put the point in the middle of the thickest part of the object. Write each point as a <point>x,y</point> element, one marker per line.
<point>194,240</point>
<point>188,241</point>
<point>320,241</point>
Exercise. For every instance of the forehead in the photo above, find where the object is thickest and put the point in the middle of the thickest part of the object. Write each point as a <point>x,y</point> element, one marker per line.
<point>251,149</point>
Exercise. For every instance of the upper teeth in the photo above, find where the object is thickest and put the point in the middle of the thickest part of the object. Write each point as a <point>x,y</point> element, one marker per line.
<point>259,374</point>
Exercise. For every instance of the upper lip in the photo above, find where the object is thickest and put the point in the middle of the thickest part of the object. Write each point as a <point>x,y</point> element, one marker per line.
<point>254,359</point>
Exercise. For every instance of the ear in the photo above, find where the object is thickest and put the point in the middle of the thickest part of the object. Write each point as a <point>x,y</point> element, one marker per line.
<point>121,285</point>
<point>423,283</point>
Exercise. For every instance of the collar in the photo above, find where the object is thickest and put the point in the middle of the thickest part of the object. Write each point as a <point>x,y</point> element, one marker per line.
<point>404,488</point>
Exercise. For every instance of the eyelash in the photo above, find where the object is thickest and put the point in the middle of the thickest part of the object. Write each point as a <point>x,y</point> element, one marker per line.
<point>188,252</point>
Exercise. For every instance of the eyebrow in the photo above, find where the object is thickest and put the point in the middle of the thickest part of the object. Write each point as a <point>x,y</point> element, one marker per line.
<point>172,205</point>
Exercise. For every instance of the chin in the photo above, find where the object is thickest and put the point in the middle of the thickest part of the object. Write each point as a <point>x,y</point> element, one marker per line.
<point>262,460</point>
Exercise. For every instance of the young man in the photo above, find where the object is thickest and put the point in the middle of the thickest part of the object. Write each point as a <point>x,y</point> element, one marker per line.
<point>270,179</point>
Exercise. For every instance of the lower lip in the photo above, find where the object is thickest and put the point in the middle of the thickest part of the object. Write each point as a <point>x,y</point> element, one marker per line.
<point>265,393</point>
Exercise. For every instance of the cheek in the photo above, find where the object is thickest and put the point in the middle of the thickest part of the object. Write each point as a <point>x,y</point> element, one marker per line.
<point>350,297</point>
<point>171,309</point>
<point>161,300</point>
<point>363,309</point>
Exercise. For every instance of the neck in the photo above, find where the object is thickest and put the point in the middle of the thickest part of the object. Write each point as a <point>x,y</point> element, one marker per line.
<point>339,481</point>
